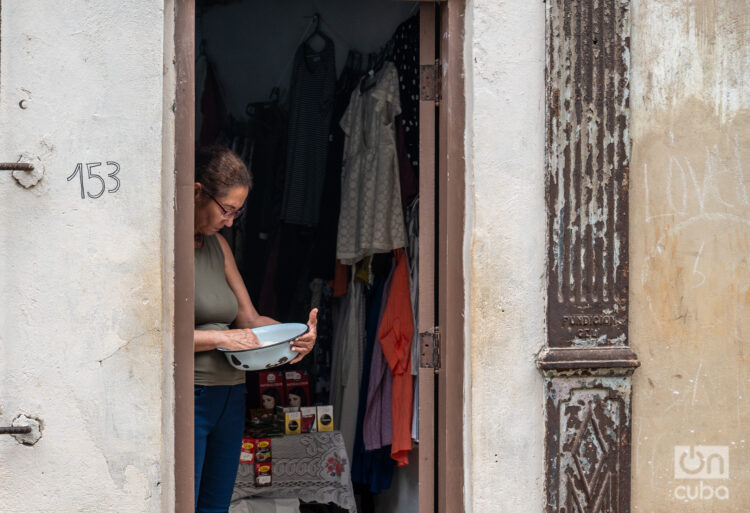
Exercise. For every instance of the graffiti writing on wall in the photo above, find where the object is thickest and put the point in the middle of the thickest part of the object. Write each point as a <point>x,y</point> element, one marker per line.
<point>708,184</point>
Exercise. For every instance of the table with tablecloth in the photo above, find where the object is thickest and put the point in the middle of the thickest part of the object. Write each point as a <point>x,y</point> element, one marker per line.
<point>311,467</point>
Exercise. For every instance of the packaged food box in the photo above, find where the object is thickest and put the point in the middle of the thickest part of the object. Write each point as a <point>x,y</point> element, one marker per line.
<point>325,418</point>
<point>292,423</point>
<point>297,384</point>
<point>309,416</point>
<point>272,394</point>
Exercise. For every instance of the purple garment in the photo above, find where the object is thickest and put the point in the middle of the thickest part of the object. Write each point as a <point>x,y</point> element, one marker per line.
<point>378,423</point>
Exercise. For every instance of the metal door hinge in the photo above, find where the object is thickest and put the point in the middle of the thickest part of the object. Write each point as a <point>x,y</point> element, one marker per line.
<point>430,82</point>
<point>430,349</point>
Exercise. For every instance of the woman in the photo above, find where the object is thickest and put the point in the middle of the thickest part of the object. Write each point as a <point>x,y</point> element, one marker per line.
<point>224,315</point>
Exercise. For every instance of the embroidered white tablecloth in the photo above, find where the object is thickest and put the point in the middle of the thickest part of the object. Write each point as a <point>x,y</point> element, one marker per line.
<point>312,467</point>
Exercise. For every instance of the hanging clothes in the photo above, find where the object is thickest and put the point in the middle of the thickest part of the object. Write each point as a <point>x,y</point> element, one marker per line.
<point>267,130</point>
<point>292,283</point>
<point>412,252</point>
<point>268,297</point>
<point>371,218</point>
<point>346,367</point>
<point>340,283</point>
<point>311,95</point>
<point>201,70</point>
<point>407,176</point>
<point>406,59</point>
<point>212,108</point>
<point>372,468</point>
<point>395,333</point>
<point>377,430</point>
<point>323,343</point>
<point>324,249</point>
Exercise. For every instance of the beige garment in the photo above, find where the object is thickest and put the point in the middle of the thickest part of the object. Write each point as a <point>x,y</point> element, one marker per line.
<point>371,218</point>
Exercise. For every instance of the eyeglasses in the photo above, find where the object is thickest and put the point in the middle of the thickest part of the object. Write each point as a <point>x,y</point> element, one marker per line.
<point>225,212</point>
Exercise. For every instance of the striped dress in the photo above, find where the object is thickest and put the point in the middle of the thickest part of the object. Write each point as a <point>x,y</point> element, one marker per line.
<point>311,95</point>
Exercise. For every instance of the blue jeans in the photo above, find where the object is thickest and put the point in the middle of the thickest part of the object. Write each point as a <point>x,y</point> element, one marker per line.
<point>219,424</point>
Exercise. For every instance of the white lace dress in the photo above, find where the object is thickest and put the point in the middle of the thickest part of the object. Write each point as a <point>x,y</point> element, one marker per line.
<point>371,218</point>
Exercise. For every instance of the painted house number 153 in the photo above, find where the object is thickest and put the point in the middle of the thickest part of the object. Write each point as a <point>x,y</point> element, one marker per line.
<point>100,185</point>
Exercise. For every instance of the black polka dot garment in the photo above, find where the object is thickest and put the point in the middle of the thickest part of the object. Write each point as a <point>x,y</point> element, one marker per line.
<point>406,59</point>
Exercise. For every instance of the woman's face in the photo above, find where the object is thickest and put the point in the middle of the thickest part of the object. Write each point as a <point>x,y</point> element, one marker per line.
<point>209,216</point>
<point>295,400</point>
<point>268,402</point>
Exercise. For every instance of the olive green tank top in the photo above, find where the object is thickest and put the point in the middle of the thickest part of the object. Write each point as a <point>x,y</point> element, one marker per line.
<point>215,309</point>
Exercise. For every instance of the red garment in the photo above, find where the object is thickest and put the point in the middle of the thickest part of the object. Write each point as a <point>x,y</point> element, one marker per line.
<point>395,335</point>
<point>340,283</point>
<point>212,108</point>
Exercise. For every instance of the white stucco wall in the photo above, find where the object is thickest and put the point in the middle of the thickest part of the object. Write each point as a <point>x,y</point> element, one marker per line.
<point>85,328</point>
<point>505,255</point>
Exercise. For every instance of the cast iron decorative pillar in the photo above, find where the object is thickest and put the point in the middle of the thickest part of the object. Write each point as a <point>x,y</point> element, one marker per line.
<point>587,363</point>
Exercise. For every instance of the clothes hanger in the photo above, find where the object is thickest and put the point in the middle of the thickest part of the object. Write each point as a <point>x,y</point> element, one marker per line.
<point>316,32</point>
<point>369,80</point>
<point>375,64</point>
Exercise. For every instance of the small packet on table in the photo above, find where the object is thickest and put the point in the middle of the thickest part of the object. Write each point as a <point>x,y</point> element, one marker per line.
<point>247,454</point>
<point>263,474</point>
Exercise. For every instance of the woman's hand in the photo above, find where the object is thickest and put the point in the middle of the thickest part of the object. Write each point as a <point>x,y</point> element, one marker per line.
<point>305,343</point>
<point>239,339</point>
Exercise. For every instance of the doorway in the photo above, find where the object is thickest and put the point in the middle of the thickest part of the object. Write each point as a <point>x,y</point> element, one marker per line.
<point>445,273</point>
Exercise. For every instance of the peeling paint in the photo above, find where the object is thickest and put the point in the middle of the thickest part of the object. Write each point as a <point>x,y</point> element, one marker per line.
<point>588,150</point>
<point>588,443</point>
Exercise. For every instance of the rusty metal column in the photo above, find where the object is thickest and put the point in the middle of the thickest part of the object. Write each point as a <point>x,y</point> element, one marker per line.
<point>587,364</point>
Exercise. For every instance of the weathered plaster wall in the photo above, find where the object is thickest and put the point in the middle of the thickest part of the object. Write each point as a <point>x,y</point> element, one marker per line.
<point>505,255</point>
<point>169,88</point>
<point>690,240</point>
<point>81,328</point>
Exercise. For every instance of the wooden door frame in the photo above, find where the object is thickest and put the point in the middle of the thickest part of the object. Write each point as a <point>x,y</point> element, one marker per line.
<point>426,316</point>
<point>451,170</point>
<point>184,309</point>
<point>451,282</point>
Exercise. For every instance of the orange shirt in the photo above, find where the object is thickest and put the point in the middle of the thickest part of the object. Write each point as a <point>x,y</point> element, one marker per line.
<point>395,336</point>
